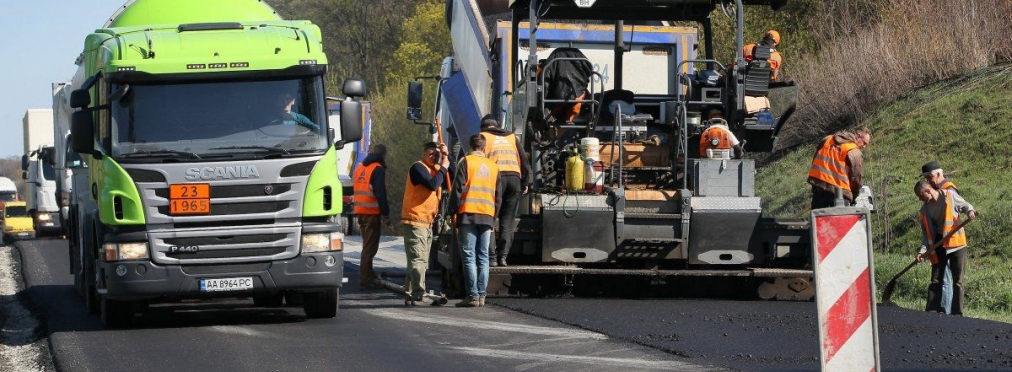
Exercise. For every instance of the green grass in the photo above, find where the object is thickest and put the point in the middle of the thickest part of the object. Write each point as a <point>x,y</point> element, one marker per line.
<point>966,124</point>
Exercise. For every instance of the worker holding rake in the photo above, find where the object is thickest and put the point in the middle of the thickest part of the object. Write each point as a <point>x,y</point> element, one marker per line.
<point>940,220</point>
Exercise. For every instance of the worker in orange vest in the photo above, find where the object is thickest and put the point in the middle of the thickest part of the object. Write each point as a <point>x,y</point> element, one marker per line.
<point>933,173</point>
<point>475,198</point>
<point>505,149</point>
<point>771,39</point>
<point>838,164</point>
<point>422,189</point>
<point>719,137</point>
<point>938,217</point>
<point>371,208</point>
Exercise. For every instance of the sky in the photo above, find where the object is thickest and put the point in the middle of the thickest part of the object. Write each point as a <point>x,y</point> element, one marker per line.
<point>43,39</point>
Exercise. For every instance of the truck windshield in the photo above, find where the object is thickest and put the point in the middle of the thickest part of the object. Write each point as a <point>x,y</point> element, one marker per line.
<point>199,120</point>
<point>8,196</point>
<point>15,211</point>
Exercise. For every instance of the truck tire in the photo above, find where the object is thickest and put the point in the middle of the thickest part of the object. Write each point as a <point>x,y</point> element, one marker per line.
<point>117,314</point>
<point>319,305</point>
<point>349,225</point>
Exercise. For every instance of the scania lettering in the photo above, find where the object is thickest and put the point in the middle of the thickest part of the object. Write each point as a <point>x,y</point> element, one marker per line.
<point>211,165</point>
<point>222,173</point>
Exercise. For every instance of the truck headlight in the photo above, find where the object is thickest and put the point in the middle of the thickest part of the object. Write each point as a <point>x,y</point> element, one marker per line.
<point>125,251</point>
<point>44,217</point>
<point>322,242</point>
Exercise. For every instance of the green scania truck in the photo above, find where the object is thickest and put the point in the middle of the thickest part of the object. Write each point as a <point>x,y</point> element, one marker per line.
<point>210,165</point>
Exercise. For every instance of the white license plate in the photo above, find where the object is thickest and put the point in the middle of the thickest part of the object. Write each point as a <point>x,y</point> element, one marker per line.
<point>226,284</point>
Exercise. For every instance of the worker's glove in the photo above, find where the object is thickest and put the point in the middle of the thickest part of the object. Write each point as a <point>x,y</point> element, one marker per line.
<point>922,250</point>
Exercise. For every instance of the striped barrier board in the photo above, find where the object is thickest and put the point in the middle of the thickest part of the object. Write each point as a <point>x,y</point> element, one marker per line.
<point>845,289</point>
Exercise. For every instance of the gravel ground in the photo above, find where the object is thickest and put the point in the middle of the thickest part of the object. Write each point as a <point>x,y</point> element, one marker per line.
<point>23,344</point>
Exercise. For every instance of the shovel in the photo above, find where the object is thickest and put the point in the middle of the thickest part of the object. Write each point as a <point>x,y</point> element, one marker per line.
<point>887,294</point>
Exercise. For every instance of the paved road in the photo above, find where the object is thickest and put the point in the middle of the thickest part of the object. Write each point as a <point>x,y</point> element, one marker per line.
<point>373,331</point>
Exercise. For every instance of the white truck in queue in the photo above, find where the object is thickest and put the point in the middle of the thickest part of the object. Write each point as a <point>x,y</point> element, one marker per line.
<point>39,173</point>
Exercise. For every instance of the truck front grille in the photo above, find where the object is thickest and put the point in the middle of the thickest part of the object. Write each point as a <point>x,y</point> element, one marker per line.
<point>238,191</point>
<point>227,253</point>
<point>224,209</point>
<point>226,269</point>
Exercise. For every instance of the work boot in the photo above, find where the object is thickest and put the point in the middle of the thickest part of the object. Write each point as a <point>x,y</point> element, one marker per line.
<point>468,302</point>
<point>501,261</point>
<point>481,301</point>
<point>493,263</point>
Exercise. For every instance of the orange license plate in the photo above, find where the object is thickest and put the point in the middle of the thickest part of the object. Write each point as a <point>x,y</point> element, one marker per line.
<point>190,191</point>
<point>190,206</point>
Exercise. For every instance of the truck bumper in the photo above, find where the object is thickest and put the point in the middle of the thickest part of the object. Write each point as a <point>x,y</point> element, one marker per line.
<point>144,279</point>
<point>53,226</point>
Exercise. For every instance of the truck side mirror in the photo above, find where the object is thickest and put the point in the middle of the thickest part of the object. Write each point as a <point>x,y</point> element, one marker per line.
<point>351,122</point>
<point>82,132</point>
<point>414,100</point>
<point>80,98</point>
<point>24,175</point>
<point>24,162</point>
<point>353,88</point>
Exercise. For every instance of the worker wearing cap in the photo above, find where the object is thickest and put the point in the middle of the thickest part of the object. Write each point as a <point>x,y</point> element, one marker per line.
<point>422,190</point>
<point>838,164</point>
<point>933,173</point>
<point>371,207</point>
<point>719,137</point>
<point>772,40</point>
<point>938,217</point>
<point>504,148</point>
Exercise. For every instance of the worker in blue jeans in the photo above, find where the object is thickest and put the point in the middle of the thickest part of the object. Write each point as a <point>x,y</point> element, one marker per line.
<point>933,173</point>
<point>475,199</point>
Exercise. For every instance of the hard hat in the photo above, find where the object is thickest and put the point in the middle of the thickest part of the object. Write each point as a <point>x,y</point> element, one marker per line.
<point>774,34</point>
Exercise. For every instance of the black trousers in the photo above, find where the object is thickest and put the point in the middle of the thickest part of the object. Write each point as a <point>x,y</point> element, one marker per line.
<point>511,193</point>
<point>825,199</point>
<point>955,261</point>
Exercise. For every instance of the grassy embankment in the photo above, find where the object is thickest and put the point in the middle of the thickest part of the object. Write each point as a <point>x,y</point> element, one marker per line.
<point>966,124</point>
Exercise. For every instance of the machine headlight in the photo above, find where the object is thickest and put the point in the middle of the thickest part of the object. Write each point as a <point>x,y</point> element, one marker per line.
<point>125,251</point>
<point>44,217</point>
<point>322,242</point>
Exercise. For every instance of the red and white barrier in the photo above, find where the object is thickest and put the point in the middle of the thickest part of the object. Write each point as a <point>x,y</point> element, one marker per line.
<point>845,289</point>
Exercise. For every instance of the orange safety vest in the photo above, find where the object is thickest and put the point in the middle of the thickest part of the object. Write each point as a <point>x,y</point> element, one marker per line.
<point>420,204</point>
<point>958,239</point>
<point>478,194</point>
<point>503,151</point>
<point>714,133</point>
<point>365,200</point>
<point>830,163</point>
<point>775,59</point>
<point>947,185</point>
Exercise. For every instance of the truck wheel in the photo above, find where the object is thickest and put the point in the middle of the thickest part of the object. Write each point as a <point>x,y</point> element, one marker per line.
<point>117,314</point>
<point>320,305</point>
<point>267,299</point>
<point>349,225</point>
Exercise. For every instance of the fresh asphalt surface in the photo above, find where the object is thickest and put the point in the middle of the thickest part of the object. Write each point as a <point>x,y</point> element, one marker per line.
<point>374,331</point>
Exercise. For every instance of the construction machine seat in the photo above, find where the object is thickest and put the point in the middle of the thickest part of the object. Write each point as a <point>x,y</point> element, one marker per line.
<point>566,75</point>
<point>757,72</point>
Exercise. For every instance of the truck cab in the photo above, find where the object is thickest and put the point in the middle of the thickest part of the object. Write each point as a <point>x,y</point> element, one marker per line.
<point>211,162</point>
<point>41,177</point>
